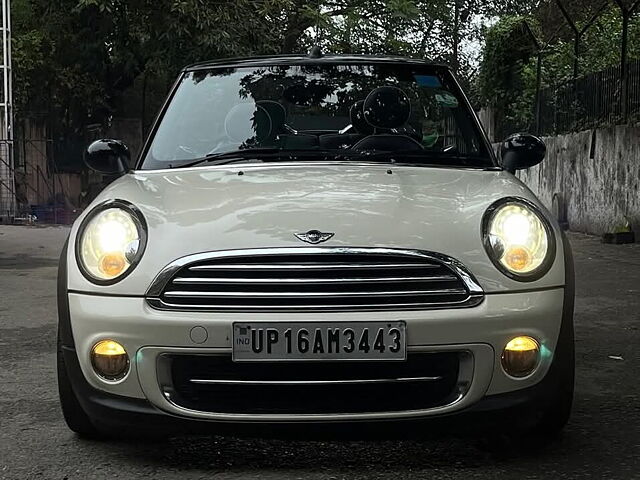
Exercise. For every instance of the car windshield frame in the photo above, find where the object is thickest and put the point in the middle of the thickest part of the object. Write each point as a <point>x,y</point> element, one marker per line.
<point>485,157</point>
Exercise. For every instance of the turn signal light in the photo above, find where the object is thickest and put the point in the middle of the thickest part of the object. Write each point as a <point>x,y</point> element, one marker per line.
<point>521,356</point>
<point>112,264</point>
<point>517,258</point>
<point>110,360</point>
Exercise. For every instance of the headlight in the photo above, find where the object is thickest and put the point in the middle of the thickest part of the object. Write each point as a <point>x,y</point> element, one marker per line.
<point>518,239</point>
<point>111,240</point>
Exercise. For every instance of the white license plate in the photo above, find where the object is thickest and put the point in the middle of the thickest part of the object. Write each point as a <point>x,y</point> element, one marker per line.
<point>309,341</point>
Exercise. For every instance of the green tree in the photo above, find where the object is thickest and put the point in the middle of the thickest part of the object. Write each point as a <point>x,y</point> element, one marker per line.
<point>82,62</point>
<point>507,71</point>
<point>507,78</point>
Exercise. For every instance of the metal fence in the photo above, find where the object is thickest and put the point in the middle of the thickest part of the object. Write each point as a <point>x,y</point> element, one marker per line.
<point>594,100</point>
<point>587,102</point>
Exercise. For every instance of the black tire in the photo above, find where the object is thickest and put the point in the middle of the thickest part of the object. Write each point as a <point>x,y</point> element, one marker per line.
<point>555,412</point>
<point>538,425</point>
<point>553,418</point>
<point>526,437</point>
<point>74,415</point>
<point>78,421</point>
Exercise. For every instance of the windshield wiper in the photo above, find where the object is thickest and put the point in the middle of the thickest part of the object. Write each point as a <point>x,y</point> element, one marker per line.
<point>233,156</point>
<point>399,156</point>
<point>223,158</point>
<point>427,157</point>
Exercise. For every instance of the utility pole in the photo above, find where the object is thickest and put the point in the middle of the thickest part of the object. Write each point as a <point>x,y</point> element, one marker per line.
<point>7,177</point>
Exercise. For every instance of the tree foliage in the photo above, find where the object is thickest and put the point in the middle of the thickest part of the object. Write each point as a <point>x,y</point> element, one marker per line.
<point>88,52</point>
<point>507,72</point>
<point>507,78</point>
<point>84,59</point>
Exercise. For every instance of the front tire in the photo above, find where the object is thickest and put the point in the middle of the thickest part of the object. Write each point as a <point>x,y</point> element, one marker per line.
<point>538,424</point>
<point>74,415</point>
<point>553,418</point>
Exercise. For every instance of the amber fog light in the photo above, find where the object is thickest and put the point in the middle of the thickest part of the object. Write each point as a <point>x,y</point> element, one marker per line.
<point>110,360</point>
<point>521,356</point>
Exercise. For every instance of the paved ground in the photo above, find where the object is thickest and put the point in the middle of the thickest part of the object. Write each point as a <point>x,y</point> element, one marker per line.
<point>602,440</point>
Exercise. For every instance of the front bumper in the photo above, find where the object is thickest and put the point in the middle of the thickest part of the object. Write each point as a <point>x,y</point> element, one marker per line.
<point>125,415</point>
<point>147,333</point>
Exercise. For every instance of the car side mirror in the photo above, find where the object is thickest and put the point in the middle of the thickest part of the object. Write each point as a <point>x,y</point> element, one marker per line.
<point>108,156</point>
<point>521,151</point>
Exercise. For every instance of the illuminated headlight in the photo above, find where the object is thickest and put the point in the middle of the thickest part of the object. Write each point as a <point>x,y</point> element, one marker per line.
<point>111,241</point>
<point>518,239</point>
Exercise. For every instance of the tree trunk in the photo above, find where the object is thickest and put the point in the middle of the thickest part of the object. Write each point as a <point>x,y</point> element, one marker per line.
<point>296,25</point>
<point>455,61</point>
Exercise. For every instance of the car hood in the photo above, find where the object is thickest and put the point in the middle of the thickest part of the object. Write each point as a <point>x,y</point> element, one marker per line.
<point>259,206</point>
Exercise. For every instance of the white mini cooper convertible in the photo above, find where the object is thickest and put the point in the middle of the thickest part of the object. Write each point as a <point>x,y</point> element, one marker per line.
<point>316,241</point>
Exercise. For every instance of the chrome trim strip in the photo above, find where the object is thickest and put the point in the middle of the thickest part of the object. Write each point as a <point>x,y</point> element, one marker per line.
<point>472,385</point>
<point>313,417</point>
<point>198,281</point>
<point>471,301</point>
<point>316,382</point>
<point>389,293</point>
<point>309,266</point>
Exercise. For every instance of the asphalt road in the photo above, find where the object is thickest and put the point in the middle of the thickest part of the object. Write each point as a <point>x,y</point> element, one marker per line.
<point>601,441</point>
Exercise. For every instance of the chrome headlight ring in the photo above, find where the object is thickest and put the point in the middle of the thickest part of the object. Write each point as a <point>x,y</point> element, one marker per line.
<point>123,236</point>
<point>518,239</point>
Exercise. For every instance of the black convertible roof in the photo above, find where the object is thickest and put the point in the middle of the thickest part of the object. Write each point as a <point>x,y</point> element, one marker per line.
<point>272,60</point>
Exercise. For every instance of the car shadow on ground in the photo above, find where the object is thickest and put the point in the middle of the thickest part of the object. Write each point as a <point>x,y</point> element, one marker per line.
<point>233,454</point>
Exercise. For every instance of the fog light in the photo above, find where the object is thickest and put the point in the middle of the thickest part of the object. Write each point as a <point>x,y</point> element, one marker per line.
<point>109,360</point>
<point>521,356</point>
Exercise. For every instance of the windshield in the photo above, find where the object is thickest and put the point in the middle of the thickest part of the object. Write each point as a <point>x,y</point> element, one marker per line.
<point>350,112</point>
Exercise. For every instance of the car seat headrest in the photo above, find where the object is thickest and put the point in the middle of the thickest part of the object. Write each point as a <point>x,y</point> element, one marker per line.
<point>247,123</point>
<point>358,121</point>
<point>387,107</point>
<point>276,112</point>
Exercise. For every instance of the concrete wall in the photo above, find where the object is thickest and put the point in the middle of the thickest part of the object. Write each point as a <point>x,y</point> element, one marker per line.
<point>598,175</point>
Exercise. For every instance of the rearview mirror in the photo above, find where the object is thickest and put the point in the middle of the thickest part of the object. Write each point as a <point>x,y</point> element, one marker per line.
<point>108,156</point>
<point>521,151</point>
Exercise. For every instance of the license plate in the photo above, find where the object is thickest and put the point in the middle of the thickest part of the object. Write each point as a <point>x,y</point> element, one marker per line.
<point>311,341</point>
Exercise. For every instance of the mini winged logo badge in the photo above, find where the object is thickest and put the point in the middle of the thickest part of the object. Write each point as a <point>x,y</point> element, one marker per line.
<point>314,236</point>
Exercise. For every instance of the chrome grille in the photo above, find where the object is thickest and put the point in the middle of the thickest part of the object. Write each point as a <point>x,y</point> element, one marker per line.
<point>298,279</point>
<point>214,383</point>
